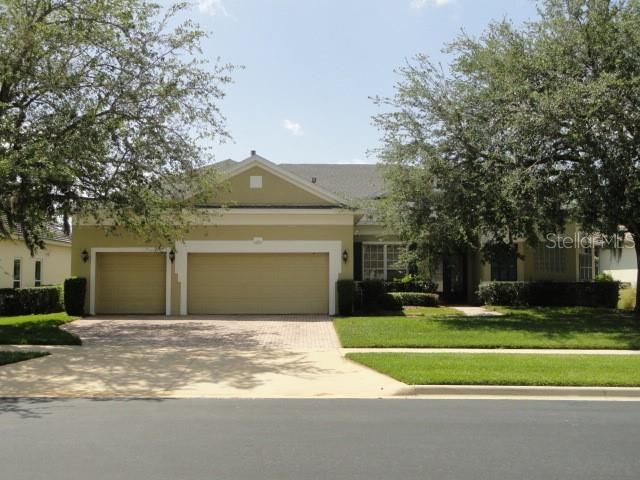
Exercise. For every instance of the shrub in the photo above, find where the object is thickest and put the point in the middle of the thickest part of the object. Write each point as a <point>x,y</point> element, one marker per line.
<point>627,299</point>
<point>558,294</point>
<point>415,299</point>
<point>504,293</point>
<point>411,283</point>
<point>346,296</point>
<point>74,294</point>
<point>371,292</point>
<point>30,301</point>
<point>604,277</point>
<point>387,302</point>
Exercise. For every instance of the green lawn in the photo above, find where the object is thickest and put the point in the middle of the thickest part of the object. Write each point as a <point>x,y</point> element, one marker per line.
<point>36,330</point>
<point>505,369</point>
<point>519,328</point>
<point>13,357</point>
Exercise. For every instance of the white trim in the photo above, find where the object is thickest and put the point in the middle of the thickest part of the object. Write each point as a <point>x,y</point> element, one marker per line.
<point>332,247</point>
<point>264,216</point>
<point>271,167</point>
<point>290,217</point>
<point>92,283</point>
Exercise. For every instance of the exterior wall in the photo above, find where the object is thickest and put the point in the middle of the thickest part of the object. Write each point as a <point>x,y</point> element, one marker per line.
<point>526,265</point>
<point>373,233</point>
<point>86,237</point>
<point>274,191</point>
<point>623,268</point>
<point>56,263</point>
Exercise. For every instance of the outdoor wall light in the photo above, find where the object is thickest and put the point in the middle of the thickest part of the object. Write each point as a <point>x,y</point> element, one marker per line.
<point>84,255</point>
<point>172,255</point>
<point>345,256</point>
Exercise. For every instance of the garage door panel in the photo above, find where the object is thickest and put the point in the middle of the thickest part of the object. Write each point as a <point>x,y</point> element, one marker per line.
<point>258,283</point>
<point>130,283</point>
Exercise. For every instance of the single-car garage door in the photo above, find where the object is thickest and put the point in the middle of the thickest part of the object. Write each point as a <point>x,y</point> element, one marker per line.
<point>265,283</point>
<point>130,283</point>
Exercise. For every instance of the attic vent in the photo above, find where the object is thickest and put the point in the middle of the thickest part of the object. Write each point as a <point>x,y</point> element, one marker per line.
<point>255,181</point>
<point>314,179</point>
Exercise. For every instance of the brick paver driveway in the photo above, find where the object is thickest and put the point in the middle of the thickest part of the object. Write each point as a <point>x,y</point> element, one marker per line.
<point>205,356</point>
<point>240,332</point>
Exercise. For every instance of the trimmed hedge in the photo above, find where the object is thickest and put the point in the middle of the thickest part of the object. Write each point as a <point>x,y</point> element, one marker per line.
<point>371,294</point>
<point>30,301</point>
<point>415,299</point>
<point>420,286</point>
<point>550,294</point>
<point>75,289</point>
<point>374,296</point>
<point>346,296</point>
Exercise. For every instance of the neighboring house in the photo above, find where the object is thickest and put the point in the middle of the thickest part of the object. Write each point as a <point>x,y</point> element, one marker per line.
<point>48,266</point>
<point>620,263</point>
<point>288,233</point>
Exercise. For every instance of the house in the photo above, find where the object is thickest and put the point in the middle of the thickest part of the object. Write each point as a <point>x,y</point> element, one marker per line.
<point>287,234</point>
<point>620,261</point>
<point>48,266</point>
<point>286,237</point>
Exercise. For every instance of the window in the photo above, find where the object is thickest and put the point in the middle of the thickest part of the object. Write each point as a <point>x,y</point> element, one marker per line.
<point>586,264</point>
<point>373,262</point>
<point>394,269</point>
<point>38,273</point>
<point>550,259</point>
<point>504,266</point>
<point>17,273</point>
<point>255,181</point>
<point>381,261</point>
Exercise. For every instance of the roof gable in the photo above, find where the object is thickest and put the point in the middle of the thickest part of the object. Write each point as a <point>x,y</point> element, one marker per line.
<point>279,187</point>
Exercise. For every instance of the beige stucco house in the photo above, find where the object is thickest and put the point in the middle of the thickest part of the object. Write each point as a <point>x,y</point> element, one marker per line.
<point>285,238</point>
<point>287,234</point>
<point>48,266</point>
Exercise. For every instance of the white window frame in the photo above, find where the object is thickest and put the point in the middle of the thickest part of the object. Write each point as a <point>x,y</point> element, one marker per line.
<point>586,270</point>
<point>385,259</point>
<point>13,273</point>
<point>37,282</point>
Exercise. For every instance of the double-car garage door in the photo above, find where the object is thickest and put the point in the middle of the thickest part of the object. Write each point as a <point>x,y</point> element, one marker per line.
<point>217,283</point>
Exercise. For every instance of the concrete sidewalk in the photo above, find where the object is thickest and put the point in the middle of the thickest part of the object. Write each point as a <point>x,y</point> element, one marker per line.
<point>183,372</point>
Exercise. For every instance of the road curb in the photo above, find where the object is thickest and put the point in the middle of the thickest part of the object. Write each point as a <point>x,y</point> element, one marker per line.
<point>519,391</point>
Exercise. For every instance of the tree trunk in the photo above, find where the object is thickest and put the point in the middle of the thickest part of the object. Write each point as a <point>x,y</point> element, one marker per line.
<point>636,242</point>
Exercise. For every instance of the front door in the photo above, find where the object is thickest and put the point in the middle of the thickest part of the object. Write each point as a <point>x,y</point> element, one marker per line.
<point>454,278</point>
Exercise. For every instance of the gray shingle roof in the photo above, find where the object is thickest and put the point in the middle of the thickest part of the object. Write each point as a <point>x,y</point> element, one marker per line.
<point>55,233</point>
<point>352,182</point>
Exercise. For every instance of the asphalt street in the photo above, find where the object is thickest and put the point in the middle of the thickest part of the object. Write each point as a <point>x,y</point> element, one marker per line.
<point>318,439</point>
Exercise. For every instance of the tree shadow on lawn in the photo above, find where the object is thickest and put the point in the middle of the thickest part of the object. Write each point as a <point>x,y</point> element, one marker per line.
<point>37,333</point>
<point>557,323</point>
